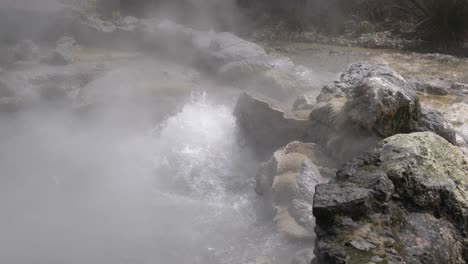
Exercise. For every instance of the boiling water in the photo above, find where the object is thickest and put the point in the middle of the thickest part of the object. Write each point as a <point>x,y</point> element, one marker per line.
<point>112,187</point>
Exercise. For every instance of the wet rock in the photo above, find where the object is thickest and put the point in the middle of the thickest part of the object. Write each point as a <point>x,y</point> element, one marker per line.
<point>355,74</point>
<point>434,87</point>
<point>374,196</point>
<point>247,68</point>
<point>284,83</point>
<point>287,181</point>
<point>334,200</point>
<point>380,100</point>
<point>427,239</point>
<point>361,245</point>
<point>376,259</point>
<point>429,173</point>
<point>266,126</point>
<point>305,102</point>
<point>457,115</point>
<point>383,105</point>
<point>226,48</point>
<point>462,88</point>
<point>331,127</point>
<point>433,120</point>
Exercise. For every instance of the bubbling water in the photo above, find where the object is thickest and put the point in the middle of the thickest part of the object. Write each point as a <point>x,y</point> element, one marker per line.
<point>201,166</point>
<point>107,190</point>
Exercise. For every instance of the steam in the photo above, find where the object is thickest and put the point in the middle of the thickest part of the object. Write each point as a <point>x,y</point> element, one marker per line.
<point>113,184</point>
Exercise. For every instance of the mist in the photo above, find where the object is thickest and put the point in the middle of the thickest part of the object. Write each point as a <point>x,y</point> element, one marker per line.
<point>143,163</point>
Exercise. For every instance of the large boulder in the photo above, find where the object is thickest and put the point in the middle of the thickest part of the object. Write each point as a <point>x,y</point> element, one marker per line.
<point>266,126</point>
<point>287,182</point>
<point>380,100</point>
<point>379,104</point>
<point>332,128</point>
<point>427,239</point>
<point>385,204</point>
<point>355,74</point>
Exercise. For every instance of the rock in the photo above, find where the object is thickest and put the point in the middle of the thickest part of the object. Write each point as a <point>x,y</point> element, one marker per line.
<point>377,194</point>
<point>226,48</point>
<point>64,53</point>
<point>355,74</point>
<point>379,100</point>
<point>376,259</point>
<point>433,87</point>
<point>287,182</point>
<point>266,126</point>
<point>430,240</point>
<point>246,68</point>
<point>462,88</point>
<point>433,120</point>
<point>457,115</point>
<point>333,200</point>
<point>305,102</point>
<point>331,128</point>
<point>429,173</point>
<point>361,245</point>
<point>383,105</point>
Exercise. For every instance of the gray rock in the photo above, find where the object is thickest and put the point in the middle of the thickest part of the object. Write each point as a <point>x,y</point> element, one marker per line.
<point>287,182</point>
<point>331,128</point>
<point>457,115</point>
<point>266,126</point>
<point>433,120</point>
<point>382,104</point>
<point>433,87</point>
<point>355,74</point>
<point>373,194</point>
<point>429,173</point>
<point>379,100</point>
<point>361,245</point>
<point>376,259</point>
<point>333,200</point>
<point>430,240</point>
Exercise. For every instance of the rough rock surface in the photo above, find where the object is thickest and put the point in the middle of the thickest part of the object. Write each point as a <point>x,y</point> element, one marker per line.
<point>267,127</point>
<point>380,100</point>
<point>331,127</point>
<point>287,181</point>
<point>370,102</point>
<point>401,202</point>
<point>457,115</point>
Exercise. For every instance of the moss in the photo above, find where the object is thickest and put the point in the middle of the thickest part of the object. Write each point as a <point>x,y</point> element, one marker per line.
<point>397,123</point>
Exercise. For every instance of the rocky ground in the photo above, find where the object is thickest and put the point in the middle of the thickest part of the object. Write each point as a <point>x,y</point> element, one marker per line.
<point>366,213</point>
